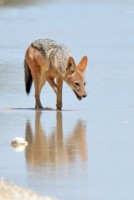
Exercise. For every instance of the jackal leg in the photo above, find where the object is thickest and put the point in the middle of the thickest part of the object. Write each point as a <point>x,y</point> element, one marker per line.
<point>57,89</point>
<point>38,66</point>
<point>38,87</point>
<point>59,82</point>
<point>42,81</point>
<point>38,104</point>
<point>36,78</point>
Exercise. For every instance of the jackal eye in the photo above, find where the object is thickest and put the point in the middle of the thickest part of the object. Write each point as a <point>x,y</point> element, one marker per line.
<point>72,71</point>
<point>77,84</point>
<point>84,83</point>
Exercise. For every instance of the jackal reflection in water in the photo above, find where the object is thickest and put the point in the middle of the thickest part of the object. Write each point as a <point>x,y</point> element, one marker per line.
<point>54,148</point>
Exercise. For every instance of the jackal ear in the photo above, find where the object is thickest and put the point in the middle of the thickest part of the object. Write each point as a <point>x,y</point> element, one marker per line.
<point>83,64</point>
<point>71,65</point>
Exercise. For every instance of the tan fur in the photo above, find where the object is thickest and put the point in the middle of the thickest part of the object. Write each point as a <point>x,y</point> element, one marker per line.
<point>43,70</point>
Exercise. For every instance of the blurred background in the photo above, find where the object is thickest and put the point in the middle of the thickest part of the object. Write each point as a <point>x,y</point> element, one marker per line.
<point>24,2</point>
<point>15,2</point>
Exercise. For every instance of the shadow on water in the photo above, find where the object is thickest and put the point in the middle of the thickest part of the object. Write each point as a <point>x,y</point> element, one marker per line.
<point>55,148</point>
<point>42,110</point>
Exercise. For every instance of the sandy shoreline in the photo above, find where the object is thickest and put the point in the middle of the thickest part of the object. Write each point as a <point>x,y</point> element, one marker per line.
<point>10,191</point>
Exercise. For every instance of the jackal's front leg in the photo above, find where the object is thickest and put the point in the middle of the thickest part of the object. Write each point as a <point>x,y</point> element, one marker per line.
<point>59,82</point>
<point>57,89</point>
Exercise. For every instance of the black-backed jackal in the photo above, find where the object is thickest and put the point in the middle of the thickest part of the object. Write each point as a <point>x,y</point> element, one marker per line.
<point>47,60</point>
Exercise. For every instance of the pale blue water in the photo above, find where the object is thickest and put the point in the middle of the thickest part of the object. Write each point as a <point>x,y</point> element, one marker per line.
<point>87,151</point>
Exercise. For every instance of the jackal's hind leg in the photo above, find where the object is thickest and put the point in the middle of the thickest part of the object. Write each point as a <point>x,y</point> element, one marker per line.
<point>38,104</point>
<point>41,84</point>
<point>36,79</point>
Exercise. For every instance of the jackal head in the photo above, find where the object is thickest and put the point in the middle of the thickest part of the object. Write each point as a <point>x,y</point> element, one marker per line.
<point>75,76</point>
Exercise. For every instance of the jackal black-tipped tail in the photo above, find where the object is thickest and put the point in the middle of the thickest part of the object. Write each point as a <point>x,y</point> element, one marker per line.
<point>28,77</point>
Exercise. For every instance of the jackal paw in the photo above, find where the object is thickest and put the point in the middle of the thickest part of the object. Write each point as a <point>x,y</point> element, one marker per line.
<point>59,107</point>
<point>39,107</point>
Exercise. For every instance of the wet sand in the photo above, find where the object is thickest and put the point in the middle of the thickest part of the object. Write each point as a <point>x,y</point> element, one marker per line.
<point>9,191</point>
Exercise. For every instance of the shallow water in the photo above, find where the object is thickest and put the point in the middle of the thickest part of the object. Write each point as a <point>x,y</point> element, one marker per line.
<point>86,151</point>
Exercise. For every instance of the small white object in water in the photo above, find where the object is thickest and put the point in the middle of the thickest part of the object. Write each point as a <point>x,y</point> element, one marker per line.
<point>19,141</point>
